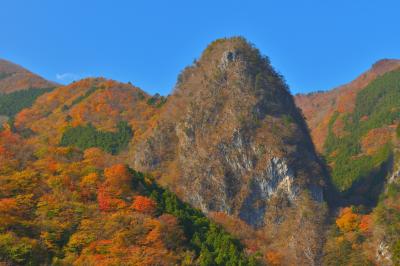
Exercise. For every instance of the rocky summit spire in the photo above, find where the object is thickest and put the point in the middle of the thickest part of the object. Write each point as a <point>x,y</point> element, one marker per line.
<point>231,140</point>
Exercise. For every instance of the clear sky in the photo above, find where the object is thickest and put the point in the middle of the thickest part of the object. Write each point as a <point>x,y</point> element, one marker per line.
<point>315,44</point>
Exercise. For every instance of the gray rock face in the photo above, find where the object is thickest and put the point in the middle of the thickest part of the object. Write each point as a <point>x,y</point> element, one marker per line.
<point>281,178</point>
<point>395,177</point>
<point>213,178</point>
<point>227,57</point>
<point>233,193</point>
<point>277,178</point>
<point>383,255</point>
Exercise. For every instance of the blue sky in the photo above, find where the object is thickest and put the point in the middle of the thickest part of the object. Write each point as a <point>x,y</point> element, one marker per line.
<point>315,44</point>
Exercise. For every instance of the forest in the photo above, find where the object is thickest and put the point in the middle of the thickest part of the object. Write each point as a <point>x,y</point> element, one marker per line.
<point>65,207</point>
<point>85,137</point>
<point>14,102</point>
<point>377,105</point>
<point>363,154</point>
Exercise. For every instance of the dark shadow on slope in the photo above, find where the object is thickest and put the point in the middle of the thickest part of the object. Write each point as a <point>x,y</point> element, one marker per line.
<point>367,189</point>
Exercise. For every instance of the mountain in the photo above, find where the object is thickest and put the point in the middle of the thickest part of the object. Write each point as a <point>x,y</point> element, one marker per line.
<point>229,140</point>
<point>319,107</point>
<point>353,126</point>
<point>98,102</point>
<point>14,78</point>
<point>18,89</point>
<point>226,171</point>
<point>67,198</point>
<point>356,129</point>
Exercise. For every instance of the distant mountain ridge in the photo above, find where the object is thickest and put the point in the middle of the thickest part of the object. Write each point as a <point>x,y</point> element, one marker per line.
<point>319,107</point>
<point>14,78</point>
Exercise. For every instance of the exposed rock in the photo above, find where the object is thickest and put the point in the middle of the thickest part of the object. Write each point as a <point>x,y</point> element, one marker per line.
<point>276,178</point>
<point>383,255</point>
<point>231,140</point>
<point>395,176</point>
<point>227,57</point>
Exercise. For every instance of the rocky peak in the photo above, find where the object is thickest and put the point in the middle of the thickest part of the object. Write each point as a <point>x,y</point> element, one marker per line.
<point>231,137</point>
<point>231,140</point>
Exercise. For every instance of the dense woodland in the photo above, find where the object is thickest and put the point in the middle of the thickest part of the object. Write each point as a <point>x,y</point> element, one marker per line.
<point>357,230</point>
<point>85,137</point>
<point>377,106</point>
<point>64,207</point>
<point>12,103</point>
<point>362,151</point>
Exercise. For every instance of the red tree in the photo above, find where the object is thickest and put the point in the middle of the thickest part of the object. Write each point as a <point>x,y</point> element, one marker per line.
<point>144,205</point>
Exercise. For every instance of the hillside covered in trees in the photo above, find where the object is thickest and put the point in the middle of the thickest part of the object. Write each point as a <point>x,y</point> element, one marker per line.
<point>19,88</point>
<point>64,207</point>
<point>12,103</point>
<point>359,128</point>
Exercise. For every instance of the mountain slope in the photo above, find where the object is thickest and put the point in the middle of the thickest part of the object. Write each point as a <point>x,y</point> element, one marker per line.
<point>19,88</point>
<point>357,129</point>
<point>103,104</point>
<point>230,140</point>
<point>116,210</point>
<point>369,236</point>
<point>387,227</point>
<point>353,127</point>
<point>14,78</point>
<point>320,107</point>
<point>64,207</point>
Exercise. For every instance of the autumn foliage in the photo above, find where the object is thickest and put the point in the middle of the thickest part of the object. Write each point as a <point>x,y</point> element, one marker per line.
<point>61,205</point>
<point>349,240</point>
<point>144,205</point>
<point>348,220</point>
<point>96,101</point>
